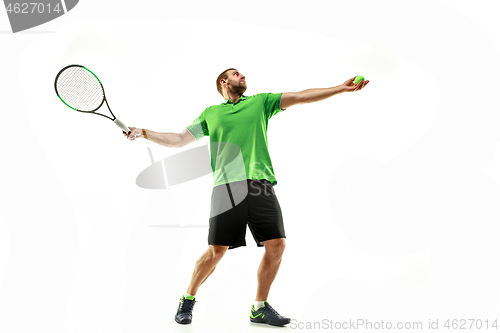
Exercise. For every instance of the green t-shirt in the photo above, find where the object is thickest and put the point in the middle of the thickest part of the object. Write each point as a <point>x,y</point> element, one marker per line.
<point>238,137</point>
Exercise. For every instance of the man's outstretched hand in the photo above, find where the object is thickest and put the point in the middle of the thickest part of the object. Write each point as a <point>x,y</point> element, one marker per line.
<point>133,134</point>
<point>350,86</point>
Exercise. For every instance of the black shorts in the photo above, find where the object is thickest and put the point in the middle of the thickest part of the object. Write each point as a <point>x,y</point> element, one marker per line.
<point>237,204</point>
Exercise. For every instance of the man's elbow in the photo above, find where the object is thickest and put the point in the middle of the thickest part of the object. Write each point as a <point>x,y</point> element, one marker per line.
<point>178,141</point>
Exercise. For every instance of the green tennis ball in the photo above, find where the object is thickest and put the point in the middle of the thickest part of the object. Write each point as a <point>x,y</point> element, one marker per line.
<point>358,78</point>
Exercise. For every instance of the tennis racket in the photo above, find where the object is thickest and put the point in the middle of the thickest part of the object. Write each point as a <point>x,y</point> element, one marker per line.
<point>80,89</point>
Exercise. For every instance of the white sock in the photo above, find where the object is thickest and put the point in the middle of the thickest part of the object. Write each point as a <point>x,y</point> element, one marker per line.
<point>258,304</point>
<point>186,295</point>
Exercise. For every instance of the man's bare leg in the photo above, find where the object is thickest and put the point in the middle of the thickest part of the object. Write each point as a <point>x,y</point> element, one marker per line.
<point>205,266</point>
<point>269,267</point>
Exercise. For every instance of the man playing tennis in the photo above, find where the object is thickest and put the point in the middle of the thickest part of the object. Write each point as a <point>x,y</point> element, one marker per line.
<point>243,176</point>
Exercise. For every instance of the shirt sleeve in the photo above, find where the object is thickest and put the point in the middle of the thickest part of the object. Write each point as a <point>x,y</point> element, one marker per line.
<point>272,104</point>
<point>199,127</point>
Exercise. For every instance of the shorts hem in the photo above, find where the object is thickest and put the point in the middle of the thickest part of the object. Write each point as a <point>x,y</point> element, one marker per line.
<point>260,243</point>
<point>230,247</point>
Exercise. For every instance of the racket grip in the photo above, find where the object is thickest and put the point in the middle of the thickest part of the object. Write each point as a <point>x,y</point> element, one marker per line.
<point>121,125</point>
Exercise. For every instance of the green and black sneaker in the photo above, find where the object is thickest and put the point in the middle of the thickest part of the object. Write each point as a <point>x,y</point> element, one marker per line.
<point>185,311</point>
<point>266,314</point>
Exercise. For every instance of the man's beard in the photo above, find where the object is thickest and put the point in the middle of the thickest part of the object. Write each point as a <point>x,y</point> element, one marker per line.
<point>239,89</point>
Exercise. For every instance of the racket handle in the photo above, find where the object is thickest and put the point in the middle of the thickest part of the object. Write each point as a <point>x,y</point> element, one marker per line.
<point>121,125</point>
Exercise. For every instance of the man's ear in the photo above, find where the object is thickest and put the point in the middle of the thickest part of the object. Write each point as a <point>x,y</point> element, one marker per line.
<point>223,82</point>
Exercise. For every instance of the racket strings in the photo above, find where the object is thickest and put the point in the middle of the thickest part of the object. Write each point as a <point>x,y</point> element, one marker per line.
<point>81,93</point>
<point>80,89</point>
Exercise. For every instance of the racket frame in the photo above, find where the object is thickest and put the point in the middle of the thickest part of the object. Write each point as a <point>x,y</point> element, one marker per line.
<point>104,100</point>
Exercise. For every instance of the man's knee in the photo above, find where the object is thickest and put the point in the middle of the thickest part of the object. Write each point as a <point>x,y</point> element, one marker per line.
<point>217,252</point>
<point>275,247</point>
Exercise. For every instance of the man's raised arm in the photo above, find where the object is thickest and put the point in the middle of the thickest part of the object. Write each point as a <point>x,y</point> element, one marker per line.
<point>171,140</point>
<point>319,94</point>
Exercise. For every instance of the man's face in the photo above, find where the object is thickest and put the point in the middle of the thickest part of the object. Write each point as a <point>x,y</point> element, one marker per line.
<point>236,82</point>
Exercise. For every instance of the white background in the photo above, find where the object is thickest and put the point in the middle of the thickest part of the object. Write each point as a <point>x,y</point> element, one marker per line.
<point>390,195</point>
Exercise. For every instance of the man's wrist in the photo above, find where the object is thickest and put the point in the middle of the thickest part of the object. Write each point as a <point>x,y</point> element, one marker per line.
<point>340,89</point>
<point>144,134</point>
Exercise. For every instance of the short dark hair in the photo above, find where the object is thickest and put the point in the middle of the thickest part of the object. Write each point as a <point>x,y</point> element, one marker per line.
<point>223,76</point>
